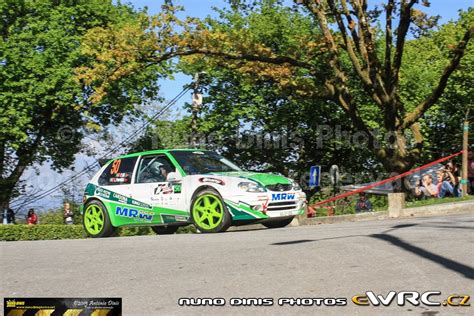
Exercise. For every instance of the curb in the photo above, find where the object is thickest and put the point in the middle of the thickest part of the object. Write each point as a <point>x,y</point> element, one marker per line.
<point>421,211</point>
<point>341,218</point>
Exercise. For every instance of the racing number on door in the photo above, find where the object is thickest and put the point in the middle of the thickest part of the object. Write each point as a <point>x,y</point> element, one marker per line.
<point>115,166</point>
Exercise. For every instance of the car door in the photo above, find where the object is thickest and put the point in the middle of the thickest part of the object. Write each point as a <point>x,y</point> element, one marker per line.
<point>151,185</point>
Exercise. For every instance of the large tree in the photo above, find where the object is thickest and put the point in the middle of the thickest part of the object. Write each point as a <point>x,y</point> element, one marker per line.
<point>44,109</point>
<point>350,56</point>
<point>352,62</point>
<point>241,100</point>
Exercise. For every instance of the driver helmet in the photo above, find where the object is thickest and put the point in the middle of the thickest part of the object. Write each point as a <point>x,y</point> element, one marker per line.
<point>155,168</point>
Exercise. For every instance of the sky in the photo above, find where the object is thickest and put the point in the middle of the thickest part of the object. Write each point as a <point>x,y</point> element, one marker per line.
<point>43,177</point>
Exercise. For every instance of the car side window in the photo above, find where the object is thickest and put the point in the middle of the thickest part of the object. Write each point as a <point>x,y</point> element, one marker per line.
<point>154,169</point>
<point>118,172</point>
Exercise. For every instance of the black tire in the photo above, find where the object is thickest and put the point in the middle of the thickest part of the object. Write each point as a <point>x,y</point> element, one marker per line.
<point>164,230</point>
<point>278,223</point>
<point>107,230</point>
<point>226,219</point>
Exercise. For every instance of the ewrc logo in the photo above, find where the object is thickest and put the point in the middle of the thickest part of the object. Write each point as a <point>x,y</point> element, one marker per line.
<point>282,196</point>
<point>132,213</point>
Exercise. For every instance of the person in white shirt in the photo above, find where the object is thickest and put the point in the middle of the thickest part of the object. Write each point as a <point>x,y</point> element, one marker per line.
<point>427,189</point>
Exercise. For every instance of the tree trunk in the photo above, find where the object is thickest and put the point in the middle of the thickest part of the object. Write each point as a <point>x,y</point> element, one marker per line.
<point>399,159</point>
<point>6,193</point>
<point>7,186</point>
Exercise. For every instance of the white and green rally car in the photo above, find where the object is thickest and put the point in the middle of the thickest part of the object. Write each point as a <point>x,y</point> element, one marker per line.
<point>166,189</point>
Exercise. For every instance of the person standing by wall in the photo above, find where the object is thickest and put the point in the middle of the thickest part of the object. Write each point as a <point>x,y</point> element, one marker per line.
<point>363,204</point>
<point>11,216</point>
<point>8,216</point>
<point>453,176</point>
<point>68,214</point>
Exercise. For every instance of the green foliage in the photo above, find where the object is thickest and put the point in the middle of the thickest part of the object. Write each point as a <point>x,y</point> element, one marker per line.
<point>144,230</point>
<point>435,201</point>
<point>247,97</point>
<point>163,135</point>
<point>424,60</point>
<point>190,229</point>
<point>135,231</point>
<point>56,216</point>
<point>44,110</point>
<point>347,205</point>
<point>51,217</point>
<point>61,231</point>
<point>40,232</point>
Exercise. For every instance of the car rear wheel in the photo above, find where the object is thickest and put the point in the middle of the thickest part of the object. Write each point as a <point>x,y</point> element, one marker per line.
<point>208,212</point>
<point>96,220</point>
<point>164,230</point>
<point>279,223</point>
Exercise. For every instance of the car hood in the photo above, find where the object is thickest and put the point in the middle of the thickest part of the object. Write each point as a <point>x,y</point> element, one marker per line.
<point>262,178</point>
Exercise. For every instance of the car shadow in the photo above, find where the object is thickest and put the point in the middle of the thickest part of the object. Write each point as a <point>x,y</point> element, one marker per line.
<point>300,241</point>
<point>449,264</point>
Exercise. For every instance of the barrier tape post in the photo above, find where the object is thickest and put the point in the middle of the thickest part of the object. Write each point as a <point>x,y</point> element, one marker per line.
<point>465,141</point>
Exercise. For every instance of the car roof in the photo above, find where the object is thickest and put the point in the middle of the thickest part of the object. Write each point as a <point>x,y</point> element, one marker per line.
<point>157,151</point>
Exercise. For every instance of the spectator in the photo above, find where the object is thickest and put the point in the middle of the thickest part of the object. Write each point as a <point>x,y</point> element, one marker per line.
<point>445,188</point>
<point>470,172</point>
<point>4,216</point>
<point>363,204</point>
<point>10,216</point>
<point>426,188</point>
<point>31,218</point>
<point>68,214</point>
<point>453,176</point>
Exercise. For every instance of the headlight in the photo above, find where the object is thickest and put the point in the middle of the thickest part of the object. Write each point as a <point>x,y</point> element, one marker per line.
<point>296,186</point>
<point>251,187</point>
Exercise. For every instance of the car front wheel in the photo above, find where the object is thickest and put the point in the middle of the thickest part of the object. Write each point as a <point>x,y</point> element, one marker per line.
<point>208,212</point>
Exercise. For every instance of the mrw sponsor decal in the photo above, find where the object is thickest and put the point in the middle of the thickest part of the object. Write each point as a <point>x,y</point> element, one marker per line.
<point>283,196</point>
<point>133,213</point>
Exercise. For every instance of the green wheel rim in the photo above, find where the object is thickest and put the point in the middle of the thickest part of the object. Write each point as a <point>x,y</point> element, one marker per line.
<point>94,219</point>
<point>208,211</point>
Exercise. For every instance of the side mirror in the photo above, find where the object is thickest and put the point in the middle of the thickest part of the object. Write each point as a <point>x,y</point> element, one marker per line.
<point>174,177</point>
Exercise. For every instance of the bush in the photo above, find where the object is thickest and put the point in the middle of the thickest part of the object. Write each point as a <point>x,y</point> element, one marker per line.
<point>135,231</point>
<point>56,216</point>
<point>40,232</point>
<point>51,218</point>
<point>190,229</point>
<point>61,231</point>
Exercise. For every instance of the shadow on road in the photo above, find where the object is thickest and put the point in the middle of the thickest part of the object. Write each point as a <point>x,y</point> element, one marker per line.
<point>300,241</point>
<point>452,265</point>
<point>291,242</point>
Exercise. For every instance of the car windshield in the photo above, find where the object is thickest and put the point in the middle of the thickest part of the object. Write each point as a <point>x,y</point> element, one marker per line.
<point>199,162</point>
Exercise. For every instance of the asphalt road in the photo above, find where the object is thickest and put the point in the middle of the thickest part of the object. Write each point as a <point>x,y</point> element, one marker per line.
<point>151,273</point>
